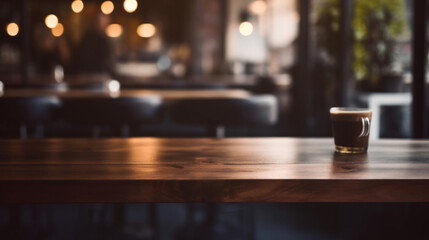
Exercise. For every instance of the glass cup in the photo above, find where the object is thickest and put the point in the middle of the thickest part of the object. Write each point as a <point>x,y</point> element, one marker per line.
<point>350,127</point>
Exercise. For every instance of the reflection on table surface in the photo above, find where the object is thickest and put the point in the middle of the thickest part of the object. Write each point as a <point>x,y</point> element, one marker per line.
<point>204,169</point>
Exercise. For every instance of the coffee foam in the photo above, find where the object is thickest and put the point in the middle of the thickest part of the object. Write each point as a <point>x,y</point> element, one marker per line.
<point>349,110</point>
<point>347,115</point>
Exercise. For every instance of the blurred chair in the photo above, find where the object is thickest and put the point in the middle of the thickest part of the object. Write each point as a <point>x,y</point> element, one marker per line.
<point>48,81</point>
<point>54,86</point>
<point>28,111</point>
<point>217,113</point>
<point>121,111</point>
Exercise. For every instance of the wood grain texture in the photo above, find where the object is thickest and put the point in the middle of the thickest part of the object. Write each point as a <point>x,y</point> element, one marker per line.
<point>211,170</point>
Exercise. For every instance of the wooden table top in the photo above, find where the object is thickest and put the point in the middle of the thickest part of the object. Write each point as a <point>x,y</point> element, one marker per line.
<point>211,170</point>
<point>172,94</point>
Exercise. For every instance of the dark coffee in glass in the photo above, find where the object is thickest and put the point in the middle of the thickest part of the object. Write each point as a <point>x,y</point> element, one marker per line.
<point>350,127</point>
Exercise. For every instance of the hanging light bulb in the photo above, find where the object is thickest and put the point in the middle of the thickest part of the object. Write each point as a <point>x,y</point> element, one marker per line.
<point>58,30</point>
<point>114,30</point>
<point>107,7</point>
<point>245,28</point>
<point>51,21</point>
<point>12,29</point>
<point>77,6</point>
<point>130,5</point>
<point>146,30</point>
<point>258,7</point>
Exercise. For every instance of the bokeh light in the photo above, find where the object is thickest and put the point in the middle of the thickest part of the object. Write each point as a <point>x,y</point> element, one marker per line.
<point>77,6</point>
<point>163,63</point>
<point>146,30</point>
<point>245,28</point>
<point>12,29</point>
<point>51,21</point>
<point>107,7</point>
<point>258,7</point>
<point>130,5</point>
<point>114,30</point>
<point>58,30</point>
<point>113,86</point>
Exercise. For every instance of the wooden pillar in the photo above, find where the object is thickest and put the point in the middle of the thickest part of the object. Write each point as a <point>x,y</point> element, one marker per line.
<point>420,118</point>
<point>344,57</point>
<point>25,40</point>
<point>302,93</point>
<point>207,36</point>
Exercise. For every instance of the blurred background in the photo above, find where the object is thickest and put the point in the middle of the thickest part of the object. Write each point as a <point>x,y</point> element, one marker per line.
<point>234,68</point>
<point>293,50</point>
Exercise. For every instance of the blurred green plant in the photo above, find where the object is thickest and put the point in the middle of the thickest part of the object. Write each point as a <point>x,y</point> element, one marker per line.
<point>376,26</point>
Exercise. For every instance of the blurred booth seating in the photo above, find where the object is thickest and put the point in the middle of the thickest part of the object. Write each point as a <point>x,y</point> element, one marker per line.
<point>75,81</point>
<point>218,113</point>
<point>29,111</point>
<point>87,81</point>
<point>11,80</point>
<point>54,86</point>
<point>122,112</point>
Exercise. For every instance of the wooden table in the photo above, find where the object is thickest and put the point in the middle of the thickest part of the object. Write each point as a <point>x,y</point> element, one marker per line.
<point>211,170</point>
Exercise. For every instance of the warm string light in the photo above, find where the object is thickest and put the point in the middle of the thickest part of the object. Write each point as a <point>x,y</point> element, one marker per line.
<point>258,7</point>
<point>58,30</point>
<point>51,21</point>
<point>114,30</point>
<point>146,30</point>
<point>130,5</point>
<point>107,7</point>
<point>77,6</point>
<point>246,28</point>
<point>12,29</point>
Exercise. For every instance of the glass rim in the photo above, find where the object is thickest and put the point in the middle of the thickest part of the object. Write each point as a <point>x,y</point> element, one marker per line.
<point>349,110</point>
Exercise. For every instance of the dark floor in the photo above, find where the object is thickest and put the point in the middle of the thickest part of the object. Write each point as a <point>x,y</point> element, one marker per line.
<point>216,221</point>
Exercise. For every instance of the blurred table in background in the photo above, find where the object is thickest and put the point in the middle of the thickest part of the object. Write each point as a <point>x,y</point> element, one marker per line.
<point>166,95</point>
<point>98,107</point>
<point>249,82</point>
<point>375,101</point>
<point>211,170</point>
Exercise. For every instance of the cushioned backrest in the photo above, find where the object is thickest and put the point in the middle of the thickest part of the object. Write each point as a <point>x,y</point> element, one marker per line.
<point>254,110</point>
<point>28,109</point>
<point>121,110</point>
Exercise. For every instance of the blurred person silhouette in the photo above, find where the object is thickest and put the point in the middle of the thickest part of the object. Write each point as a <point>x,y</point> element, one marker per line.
<point>94,54</point>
